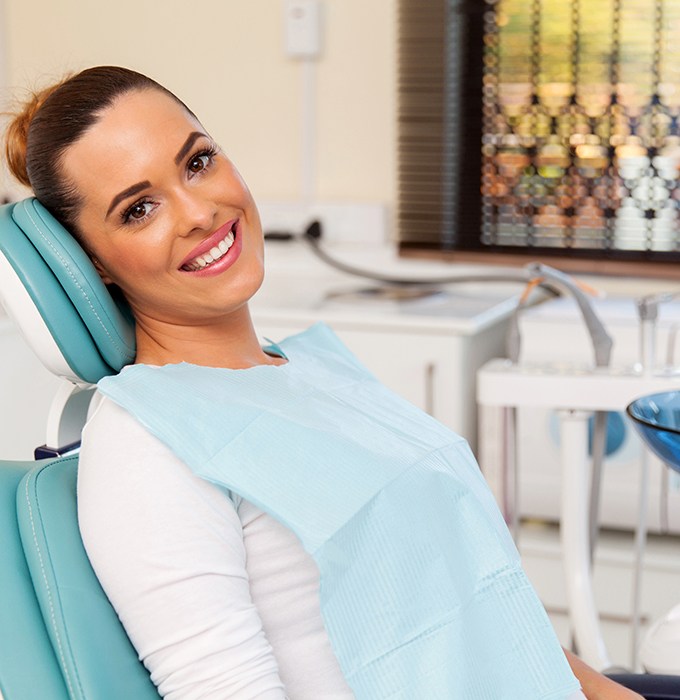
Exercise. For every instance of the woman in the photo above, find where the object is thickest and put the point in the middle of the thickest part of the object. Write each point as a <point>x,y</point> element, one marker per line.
<point>219,598</point>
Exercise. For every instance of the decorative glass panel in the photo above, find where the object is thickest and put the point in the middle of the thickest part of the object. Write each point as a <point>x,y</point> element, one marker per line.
<point>581,142</point>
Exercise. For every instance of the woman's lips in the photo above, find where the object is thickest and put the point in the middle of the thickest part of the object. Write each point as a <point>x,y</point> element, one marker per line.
<point>218,260</point>
<point>210,242</point>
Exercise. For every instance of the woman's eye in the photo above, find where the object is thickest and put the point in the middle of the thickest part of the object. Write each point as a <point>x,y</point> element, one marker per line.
<point>199,162</point>
<point>138,211</point>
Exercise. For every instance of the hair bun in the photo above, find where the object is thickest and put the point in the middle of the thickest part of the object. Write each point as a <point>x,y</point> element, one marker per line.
<point>16,134</point>
<point>41,131</point>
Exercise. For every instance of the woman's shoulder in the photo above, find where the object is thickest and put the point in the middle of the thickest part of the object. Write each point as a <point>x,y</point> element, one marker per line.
<point>111,433</point>
<point>115,446</point>
<point>111,420</point>
<point>107,417</point>
<point>119,454</point>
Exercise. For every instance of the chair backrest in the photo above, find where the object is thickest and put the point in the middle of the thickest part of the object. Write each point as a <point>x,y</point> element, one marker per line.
<point>51,289</point>
<point>59,636</point>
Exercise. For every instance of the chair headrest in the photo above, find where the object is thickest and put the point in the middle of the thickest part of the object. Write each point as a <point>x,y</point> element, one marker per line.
<point>49,286</point>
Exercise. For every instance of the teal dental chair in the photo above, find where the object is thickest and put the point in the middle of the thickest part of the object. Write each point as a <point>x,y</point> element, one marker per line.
<point>59,636</point>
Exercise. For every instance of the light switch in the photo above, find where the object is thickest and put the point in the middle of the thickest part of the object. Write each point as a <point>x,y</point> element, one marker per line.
<point>302,28</point>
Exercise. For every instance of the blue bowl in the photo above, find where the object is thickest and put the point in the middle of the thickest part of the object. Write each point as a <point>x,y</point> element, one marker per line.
<point>657,420</point>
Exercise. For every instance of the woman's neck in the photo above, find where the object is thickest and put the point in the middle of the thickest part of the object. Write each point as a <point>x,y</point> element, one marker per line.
<point>230,342</point>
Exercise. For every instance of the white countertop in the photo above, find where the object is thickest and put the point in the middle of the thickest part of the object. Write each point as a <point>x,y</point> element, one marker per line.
<point>299,286</point>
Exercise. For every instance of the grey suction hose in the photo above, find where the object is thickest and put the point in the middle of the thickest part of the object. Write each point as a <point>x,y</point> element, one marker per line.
<point>313,241</point>
<point>553,280</point>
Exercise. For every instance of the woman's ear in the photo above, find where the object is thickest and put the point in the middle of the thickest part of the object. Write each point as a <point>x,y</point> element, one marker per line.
<point>101,270</point>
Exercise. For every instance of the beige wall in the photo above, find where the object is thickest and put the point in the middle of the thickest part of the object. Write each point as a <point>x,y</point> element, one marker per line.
<point>226,59</point>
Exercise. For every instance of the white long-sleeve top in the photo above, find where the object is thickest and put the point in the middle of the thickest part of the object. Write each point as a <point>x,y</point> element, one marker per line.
<point>219,599</point>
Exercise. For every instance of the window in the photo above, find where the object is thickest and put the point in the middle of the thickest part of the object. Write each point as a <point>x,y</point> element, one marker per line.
<point>541,127</point>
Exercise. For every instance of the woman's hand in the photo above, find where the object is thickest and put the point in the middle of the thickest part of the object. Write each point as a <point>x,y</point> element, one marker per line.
<point>595,686</point>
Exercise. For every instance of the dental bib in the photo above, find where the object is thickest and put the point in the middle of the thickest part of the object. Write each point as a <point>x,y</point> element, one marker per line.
<point>421,592</point>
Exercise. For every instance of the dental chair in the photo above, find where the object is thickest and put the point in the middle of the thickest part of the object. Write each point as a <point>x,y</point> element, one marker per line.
<point>60,639</point>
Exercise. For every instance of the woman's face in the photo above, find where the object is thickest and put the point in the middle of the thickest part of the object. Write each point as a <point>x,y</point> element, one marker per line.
<point>165,214</point>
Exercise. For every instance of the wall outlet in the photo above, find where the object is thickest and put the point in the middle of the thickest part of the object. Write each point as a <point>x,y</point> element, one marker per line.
<point>302,22</point>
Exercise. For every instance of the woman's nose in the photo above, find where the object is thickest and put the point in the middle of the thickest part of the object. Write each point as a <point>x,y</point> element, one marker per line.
<point>195,213</point>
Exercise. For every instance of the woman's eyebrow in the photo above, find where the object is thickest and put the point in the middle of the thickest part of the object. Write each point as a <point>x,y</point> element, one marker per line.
<point>125,194</point>
<point>187,146</point>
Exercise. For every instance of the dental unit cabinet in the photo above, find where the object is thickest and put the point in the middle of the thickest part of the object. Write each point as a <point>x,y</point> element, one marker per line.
<point>536,417</point>
<point>553,336</point>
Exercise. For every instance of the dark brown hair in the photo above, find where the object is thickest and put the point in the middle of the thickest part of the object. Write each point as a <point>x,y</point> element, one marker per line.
<point>54,119</point>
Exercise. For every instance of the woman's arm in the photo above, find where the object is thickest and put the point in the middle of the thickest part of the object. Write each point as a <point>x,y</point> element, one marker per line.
<point>168,550</point>
<point>596,686</point>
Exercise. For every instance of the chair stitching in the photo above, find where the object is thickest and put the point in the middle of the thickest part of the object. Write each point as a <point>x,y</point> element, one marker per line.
<point>75,281</point>
<point>49,595</point>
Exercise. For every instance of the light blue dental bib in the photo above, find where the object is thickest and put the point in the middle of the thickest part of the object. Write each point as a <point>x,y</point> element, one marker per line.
<point>422,592</point>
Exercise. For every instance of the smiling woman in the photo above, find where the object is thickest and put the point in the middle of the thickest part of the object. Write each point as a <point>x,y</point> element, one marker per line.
<point>291,529</point>
<point>157,201</point>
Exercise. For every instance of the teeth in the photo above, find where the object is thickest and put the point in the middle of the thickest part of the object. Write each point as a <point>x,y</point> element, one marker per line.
<point>212,255</point>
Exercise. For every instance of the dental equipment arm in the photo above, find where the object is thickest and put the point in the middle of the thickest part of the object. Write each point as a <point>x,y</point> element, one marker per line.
<point>550,278</point>
<point>601,340</point>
